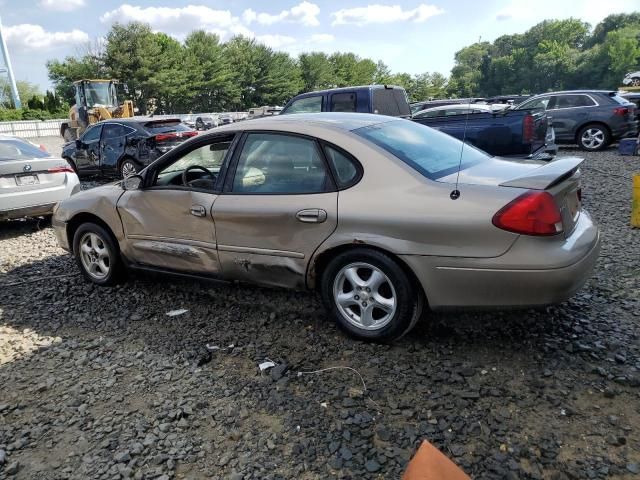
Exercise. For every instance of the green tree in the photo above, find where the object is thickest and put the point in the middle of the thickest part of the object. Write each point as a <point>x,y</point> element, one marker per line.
<point>316,71</point>
<point>623,52</point>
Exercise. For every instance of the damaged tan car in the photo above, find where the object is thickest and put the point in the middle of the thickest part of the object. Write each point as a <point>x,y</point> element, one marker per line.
<point>385,217</point>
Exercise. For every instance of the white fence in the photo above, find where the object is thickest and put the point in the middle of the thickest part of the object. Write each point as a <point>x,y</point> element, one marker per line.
<point>31,128</point>
<point>51,128</point>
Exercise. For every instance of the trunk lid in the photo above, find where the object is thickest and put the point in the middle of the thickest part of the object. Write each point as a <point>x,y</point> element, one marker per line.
<point>560,177</point>
<point>32,174</point>
<point>166,134</point>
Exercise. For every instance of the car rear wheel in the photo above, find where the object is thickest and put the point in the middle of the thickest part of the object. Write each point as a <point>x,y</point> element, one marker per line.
<point>97,255</point>
<point>635,82</point>
<point>128,167</point>
<point>370,295</point>
<point>593,137</point>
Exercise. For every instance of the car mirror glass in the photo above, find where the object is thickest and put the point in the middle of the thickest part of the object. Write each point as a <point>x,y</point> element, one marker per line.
<point>132,183</point>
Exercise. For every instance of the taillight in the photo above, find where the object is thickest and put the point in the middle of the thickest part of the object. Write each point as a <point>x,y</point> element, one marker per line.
<point>621,111</point>
<point>43,148</point>
<point>163,137</point>
<point>528,128</point>
<point>61,169</point>
<point>533,213</point>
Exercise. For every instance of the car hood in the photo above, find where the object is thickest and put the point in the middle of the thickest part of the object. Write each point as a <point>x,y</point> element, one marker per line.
<point>523,173</point>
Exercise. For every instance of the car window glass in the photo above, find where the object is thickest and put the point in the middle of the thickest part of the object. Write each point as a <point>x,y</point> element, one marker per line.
<point>210,156</point>
<point>14,149</point>
<point>432,153</point>
<point>429,113</point>
<point>112,130</point>
<point>536,103</point>
<point>343,102</point>
<point>274,163</point>
<point>344,166</point>
<point>572,101</point>
<point>92,134</point>
<point>306,105</point>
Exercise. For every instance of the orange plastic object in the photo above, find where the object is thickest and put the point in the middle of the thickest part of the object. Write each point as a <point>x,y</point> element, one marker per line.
<point>429,463</point>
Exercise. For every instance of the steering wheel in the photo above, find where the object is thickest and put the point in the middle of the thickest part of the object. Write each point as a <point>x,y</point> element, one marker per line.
<point>185,182</point>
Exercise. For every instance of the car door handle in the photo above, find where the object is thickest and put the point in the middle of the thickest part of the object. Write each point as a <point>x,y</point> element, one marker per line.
<point>312,215</point>
<point>198,210</point>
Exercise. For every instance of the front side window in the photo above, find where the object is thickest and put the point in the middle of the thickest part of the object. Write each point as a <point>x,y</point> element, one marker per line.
<point>306,105</point>
<point>280,164</point>
<point>92,134</point>
<point>432,153</point>
<point>343,102</point>
<point>542,102</point>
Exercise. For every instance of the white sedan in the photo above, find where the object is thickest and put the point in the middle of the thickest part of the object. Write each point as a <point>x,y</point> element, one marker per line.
<point>632,79</point>
<point>32,181</point>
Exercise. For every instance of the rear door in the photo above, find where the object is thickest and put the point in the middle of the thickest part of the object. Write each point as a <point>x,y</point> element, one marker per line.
<point>570,111</point>
<point>88,153</point>
<point>112,145</point>
<point>278,205</point>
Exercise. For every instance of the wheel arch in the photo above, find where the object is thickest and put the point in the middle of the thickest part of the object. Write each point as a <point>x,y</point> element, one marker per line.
<point>85,217</point>
<point>321,259</point>
<point>590,122</point>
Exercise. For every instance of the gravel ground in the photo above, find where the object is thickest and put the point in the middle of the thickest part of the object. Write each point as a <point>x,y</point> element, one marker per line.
<point>101,383</point>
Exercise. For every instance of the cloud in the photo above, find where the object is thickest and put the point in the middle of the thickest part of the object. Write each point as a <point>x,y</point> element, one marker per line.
<point>275,41</point>
<point>592,11</point>
<point>305,13</point>
<point>384,14</point>
<point>62,5</point>
<point>28,37</point>
<point>322,38</point>
<point>180,20</point>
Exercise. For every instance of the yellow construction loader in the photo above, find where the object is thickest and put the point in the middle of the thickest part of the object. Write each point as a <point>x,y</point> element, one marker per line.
<point>96,100</point>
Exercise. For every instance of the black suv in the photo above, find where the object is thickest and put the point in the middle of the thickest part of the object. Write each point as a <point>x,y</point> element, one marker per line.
<point>591,118</point>
<point>124,146</point>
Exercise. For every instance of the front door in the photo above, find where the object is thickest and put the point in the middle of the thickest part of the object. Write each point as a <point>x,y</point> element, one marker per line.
<point>112,144</point>
<point>168,224</point>
<point>278,206</point>
<point>87,156</point>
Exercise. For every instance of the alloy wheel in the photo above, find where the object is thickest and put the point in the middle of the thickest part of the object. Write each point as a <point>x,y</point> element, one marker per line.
<point>128,169</point>
<point>95,255</point>
<point>365,296</point>
<point>592,138</point>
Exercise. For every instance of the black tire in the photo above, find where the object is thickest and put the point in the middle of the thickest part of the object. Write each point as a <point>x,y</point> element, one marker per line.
<point>116,271</point>
<point>635,82</point>
<point>409,298</point>
<point>128,164</point>
<point>593,137</point>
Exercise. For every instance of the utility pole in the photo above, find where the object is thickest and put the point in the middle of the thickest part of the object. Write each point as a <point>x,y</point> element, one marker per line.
<point>7,62</point>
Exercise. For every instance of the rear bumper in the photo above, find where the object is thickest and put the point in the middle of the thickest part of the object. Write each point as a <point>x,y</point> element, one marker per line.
<point>527,275</point>
<point>31,211</point>
<point>629,129</point>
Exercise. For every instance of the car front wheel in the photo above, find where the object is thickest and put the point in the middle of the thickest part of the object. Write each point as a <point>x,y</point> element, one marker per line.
<point>370,295</point>
<point>97,255</point>
<point>593,137</point>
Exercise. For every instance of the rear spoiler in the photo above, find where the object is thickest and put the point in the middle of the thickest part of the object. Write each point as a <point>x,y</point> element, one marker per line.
<point>547,175</point>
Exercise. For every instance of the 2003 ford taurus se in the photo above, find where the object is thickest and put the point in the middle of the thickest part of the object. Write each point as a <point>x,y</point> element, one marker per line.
<point>364,208</point>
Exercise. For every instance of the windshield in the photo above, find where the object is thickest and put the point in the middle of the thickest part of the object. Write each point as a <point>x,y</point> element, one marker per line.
<point>100,94</point>
<point>430,152</point>
<point>20,150</point>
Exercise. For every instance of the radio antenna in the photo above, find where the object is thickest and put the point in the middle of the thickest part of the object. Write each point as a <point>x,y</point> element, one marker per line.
<point>455,193</point>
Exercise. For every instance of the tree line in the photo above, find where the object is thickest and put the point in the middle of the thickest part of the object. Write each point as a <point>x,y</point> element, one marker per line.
<point>204,74</point>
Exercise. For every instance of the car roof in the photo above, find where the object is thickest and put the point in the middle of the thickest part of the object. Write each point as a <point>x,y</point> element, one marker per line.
<point>328,120</point>
<point>347,89</point>
<point>564,92</point>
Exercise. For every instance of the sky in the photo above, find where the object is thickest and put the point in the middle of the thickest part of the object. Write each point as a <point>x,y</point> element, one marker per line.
<point>410,36</point>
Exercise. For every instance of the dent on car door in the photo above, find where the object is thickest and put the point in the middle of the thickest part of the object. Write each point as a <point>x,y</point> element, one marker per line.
<point>278,206</point>
<point>168,224</point>
<point>88,155</point>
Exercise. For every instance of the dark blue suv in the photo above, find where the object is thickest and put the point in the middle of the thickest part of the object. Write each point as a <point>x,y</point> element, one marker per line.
<point>591,118</point>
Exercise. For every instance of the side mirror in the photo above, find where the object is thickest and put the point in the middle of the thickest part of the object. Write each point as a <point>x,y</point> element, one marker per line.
<point>132,183</point>
<point>78,144</point>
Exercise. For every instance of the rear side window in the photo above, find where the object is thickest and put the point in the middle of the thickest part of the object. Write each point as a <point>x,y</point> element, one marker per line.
<point>113,131</point>
<point>19,150</point>
<point>345,167</point>
<point>343,102</point>
<point>391,101</point>
<point>572,101</point>
<point>306,105</point>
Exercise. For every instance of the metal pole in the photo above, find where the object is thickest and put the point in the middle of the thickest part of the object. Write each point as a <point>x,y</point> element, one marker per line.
<point>7,61</point>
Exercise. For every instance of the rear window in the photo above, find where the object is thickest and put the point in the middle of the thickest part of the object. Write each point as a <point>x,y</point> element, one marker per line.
<point>622,100</point>
<point>432,153</point>
<point>166,126</point>
<point>20,150</point>
<point>391,101</point>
